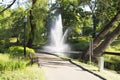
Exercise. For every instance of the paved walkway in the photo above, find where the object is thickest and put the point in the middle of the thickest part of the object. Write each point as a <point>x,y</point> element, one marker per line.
<point>59,69</point>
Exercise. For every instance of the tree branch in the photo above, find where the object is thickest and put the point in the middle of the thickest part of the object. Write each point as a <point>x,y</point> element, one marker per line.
<point>7,7</point>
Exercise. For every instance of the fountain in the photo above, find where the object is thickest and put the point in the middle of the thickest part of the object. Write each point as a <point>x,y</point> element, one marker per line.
<point>56,43</point>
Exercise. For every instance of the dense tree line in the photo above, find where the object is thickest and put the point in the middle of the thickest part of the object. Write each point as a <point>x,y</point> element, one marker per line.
<point>103,18</point>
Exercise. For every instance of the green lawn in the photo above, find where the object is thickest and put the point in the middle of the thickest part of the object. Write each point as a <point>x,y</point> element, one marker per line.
<point>19,69</point>
<point>108,74</point>
<point>30,73</point>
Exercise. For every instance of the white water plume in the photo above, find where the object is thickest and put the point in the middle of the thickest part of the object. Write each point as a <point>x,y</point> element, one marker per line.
<point>56,38</point>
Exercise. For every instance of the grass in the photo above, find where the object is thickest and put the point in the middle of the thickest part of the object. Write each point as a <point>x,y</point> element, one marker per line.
<point>13,40</point>
<point>9,64</point>
<point>108,74</point>
<point>18,69</point>
<point>30,73</point>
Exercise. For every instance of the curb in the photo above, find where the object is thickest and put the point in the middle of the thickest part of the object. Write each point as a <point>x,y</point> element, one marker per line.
<point>87,70</point>
<point>78,66</point>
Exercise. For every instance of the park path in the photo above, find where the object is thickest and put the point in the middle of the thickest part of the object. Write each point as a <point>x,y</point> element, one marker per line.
<point>56,68</point>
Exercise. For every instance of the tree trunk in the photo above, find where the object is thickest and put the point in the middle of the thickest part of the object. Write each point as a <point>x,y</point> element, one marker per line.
<point>107,28</point>
<point>109,39</point>
<point>102,34</point>
<point>32,25</point>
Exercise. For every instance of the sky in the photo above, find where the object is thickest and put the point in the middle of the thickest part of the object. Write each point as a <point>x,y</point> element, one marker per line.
<point>52,1</point>
<point>22,2</point>
<point>7,2</point>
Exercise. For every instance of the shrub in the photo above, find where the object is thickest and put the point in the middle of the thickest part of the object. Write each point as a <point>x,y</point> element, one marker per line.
<point>79,46</point>
<point>2,48</point>
<point>114,47</point>
<point>112,61</point>
<point>80,43</point>
<point>18,51</point>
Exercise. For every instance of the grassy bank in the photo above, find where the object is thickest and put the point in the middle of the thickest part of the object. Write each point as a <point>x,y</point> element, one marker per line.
<point>108,74</point>
<point>30,73</point>
<point>14,66</point>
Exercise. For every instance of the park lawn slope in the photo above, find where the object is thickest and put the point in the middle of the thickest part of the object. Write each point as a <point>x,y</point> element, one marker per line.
<point>108,74</point>
<point>30,73</point>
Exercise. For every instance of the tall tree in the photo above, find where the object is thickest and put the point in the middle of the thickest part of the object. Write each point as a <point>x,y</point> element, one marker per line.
<point>37,19</point>
<point>108,40</point>
<point>32,25</point>
<point>103,33</point>
<point>104,13</point>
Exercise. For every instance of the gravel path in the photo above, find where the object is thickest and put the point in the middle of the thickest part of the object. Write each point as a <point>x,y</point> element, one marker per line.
<point>59,69</point>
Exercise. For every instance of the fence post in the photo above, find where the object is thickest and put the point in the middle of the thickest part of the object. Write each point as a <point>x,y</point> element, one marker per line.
<point>101,63</point>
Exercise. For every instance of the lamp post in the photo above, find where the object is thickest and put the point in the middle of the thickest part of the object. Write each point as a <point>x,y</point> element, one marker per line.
<point>94,26</point>
<point>25,21</point>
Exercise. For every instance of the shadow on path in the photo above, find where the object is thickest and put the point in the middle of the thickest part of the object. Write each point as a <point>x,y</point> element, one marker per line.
<point>61,69</point>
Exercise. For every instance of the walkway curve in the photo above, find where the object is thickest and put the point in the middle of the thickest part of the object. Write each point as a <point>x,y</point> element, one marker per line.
<point>56,68</point>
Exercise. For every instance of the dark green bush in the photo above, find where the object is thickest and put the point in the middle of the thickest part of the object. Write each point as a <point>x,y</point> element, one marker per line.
<point>80,43</point>
<point>112,66</point>
<point>18,51</point>
<point>79,46</point>
<point>2,48</point>
<point>112,62</point>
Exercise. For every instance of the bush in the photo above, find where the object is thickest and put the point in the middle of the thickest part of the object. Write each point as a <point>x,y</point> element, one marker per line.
<point>112,66</point>
<point>7,64</point>
<point>114,47</point>
<point>112,62</point>
<point>79,46</point>
<point>18,51</point>
<point>2,48</point>
<point>80,43</point>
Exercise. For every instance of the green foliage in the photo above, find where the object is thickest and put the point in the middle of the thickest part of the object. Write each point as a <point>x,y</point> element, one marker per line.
<point>112,62</point>
<point>11,25</point>
<point>39,11</point>
<point>2,48</point>
<point>114,47</point>
<point>80,43</point>
<point>18,51</point>
<point>70,13</point>
<point>4,57</point>
<point>7,64</point>
<point>112,58</point>
<point>30,73</point>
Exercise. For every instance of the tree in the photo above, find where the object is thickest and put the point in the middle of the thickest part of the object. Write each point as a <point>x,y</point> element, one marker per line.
<point>109,10</point>
<point>108,40</point>
<point>37,16</point>
<point>36,13</point>
<point>103,33</point>
<point>74,17</point>
<point>32,25</point>
<point>17,25</point>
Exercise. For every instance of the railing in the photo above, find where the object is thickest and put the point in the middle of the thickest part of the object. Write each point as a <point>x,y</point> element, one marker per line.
<point>112,53</point>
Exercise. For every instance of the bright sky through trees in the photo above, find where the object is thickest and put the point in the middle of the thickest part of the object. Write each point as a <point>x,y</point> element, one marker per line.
<point>18,3</point>
<point>21,3</point>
